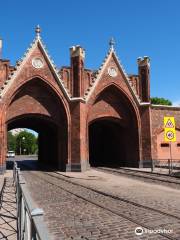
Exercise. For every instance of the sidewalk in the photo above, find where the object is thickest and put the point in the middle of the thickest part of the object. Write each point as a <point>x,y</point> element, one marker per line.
<point>8,210</point>
<point>91,174</point>
<point>163,171</point>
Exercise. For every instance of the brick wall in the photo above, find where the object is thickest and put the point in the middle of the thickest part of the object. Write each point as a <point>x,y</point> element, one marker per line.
<point>157,123</point>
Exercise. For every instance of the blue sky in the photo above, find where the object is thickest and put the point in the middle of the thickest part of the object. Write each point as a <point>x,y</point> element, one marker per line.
<point>139,27</point>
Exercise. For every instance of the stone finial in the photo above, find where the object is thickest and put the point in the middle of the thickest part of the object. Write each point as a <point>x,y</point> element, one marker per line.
<point>142,61</point>
<point>111,43</point>
<point>139,59</point>
<point>38,31</point>
<point>77,51</point>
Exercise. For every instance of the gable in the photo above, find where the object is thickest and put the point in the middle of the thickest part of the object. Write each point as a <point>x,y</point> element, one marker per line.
<point>112,72</point>
<point>36,63</point>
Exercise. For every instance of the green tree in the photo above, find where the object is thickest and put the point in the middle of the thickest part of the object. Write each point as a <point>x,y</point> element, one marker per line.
<point>160,101</point>
<point>11,140</point>
<point>26,143</point>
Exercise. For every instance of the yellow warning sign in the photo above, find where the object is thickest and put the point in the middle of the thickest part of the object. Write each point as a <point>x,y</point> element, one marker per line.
<point>169,122</point>
<point>169,129</point>
<point>170,135</point>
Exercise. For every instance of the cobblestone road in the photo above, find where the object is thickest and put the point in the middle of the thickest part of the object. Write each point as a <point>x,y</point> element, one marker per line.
<point>152,195</point>
<point>75,212</point>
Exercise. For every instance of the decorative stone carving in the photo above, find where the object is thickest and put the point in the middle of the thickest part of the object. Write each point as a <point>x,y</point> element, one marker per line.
<point>37,62</point>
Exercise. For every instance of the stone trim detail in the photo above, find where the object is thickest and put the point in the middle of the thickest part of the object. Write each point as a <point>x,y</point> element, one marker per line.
<point>78,167</point>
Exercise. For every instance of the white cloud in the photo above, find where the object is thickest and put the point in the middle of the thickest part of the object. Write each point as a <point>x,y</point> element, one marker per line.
<point>176,103</point>
<point>18,130</point>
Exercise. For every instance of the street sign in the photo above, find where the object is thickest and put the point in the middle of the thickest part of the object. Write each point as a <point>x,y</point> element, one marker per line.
<point>169,129</point>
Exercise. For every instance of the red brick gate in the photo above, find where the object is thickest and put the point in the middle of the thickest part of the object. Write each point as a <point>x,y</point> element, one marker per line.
<point>99,117</point>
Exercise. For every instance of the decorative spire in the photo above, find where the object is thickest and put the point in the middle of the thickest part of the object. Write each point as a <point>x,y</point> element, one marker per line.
<point>38,31</point>
<point>111,43</point>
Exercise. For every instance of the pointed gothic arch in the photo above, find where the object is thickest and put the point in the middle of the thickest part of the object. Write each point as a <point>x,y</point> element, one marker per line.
<point>114,136</point>
<point>36,104</point>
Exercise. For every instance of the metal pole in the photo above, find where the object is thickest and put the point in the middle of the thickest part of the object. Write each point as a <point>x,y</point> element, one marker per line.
<point>20,146</point>
<point>169,166</point>
<point>170,158</point>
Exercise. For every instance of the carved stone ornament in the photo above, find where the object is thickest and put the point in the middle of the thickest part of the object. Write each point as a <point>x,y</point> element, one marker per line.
<point>37,62</point>
<point>112,72</point>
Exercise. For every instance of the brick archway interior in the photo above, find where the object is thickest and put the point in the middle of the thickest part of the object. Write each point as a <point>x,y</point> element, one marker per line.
<point>113,130</point>
<point>47,140</point>
<point>38,107</point>
<point>111,144</point>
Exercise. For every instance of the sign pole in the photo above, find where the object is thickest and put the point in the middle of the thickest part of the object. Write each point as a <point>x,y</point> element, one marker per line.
<point>170,165</point>
<point>170,136</point>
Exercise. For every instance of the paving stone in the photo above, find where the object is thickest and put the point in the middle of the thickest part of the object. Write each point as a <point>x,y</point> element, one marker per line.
<point>72,213</point>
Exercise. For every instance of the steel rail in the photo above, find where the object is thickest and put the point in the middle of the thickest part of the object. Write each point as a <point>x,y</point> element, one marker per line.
<point>107,208</point>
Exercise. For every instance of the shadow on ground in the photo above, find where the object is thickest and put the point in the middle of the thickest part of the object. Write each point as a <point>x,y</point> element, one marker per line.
<point>29,165</point>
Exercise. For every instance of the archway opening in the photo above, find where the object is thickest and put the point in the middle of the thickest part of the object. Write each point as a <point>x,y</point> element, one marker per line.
<point>104,144</point>
<point>50,153</point>
<point>22,141</point>
<point>37,106</point>
<point>112,144</point>
<point>113,130</point>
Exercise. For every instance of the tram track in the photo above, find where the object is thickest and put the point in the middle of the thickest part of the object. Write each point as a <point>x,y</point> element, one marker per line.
<point>56,180</point>
<point>117,197</point>
<point>156,178</point>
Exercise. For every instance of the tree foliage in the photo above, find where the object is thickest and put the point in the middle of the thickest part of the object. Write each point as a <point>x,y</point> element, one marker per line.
<point>11,142</point>
<point>161,101</point>
<point>26,143</point>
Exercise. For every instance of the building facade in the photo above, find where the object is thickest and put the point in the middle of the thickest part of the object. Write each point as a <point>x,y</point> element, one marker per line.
<point>84,118</point>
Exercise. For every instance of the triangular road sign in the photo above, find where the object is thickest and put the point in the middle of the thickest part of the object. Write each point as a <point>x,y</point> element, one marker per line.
<point>169,124</point>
